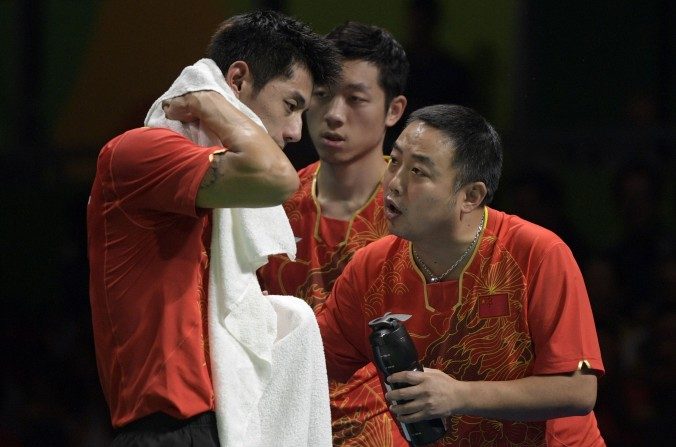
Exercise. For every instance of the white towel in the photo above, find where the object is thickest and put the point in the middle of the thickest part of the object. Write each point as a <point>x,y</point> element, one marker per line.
<point>267,358</point>
<point>304,418</point>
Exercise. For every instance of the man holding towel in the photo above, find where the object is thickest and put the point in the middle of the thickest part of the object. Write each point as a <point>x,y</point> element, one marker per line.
<point>339,206</point>
<point>149,224</point>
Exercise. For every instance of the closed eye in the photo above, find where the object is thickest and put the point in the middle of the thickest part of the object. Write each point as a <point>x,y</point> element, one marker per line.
<point>291,105</point>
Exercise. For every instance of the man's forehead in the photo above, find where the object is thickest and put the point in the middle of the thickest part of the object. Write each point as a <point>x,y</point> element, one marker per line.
<point>414,134</point>
<point>415,151</point>
<point>299,84</point>
<point>301,72</point>
<point>420,141</point>
<point>417,129</point>
<point>420,130</point>
<point>359,86</point>
<point>359,74</point>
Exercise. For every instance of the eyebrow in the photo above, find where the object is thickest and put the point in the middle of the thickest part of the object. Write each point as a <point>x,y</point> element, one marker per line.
<point>424,159</point>
<point>359,86</point>
<point>300,99</point>
<point>395,147</point>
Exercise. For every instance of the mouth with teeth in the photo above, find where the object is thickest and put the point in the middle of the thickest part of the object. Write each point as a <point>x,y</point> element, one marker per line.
<point>391,210</point>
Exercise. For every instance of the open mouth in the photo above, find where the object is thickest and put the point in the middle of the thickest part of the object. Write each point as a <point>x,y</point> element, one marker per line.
<point>391,207</point>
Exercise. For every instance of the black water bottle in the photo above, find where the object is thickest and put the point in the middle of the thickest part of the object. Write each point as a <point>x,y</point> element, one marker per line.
<point>393,351</point>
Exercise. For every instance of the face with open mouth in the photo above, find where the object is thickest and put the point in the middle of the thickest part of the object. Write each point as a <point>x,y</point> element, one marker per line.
<point>419,202</point>
<point>392,211</point>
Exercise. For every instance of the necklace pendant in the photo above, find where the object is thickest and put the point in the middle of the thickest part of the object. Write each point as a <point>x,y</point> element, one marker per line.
<point>434,279</point>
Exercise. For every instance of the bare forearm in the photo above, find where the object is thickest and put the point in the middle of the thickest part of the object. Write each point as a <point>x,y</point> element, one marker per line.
<point>532,398</point>
<point>254,171</point>
<point>435,394</point>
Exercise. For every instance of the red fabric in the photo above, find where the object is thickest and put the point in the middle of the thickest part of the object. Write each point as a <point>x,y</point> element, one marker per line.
<point>148,255</point>
<point>359,412</point>
<point>546,328</point>
<point>325,245</point>
<point>494,305</point>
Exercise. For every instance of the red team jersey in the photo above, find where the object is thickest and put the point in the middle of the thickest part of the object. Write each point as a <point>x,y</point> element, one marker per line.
<point>359,412</point>
<point>519,308</point>
<point>148,257</point>
<point>324,245</point>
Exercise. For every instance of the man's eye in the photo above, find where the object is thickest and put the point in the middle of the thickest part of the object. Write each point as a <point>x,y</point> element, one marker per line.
<point>291,105</point>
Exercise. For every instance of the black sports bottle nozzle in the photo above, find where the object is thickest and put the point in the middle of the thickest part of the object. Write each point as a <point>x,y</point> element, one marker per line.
<point>393,351</point>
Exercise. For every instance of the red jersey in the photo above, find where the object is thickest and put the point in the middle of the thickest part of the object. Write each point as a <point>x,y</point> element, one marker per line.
<point>519,308</point>
<point>148,256</point>
<point>358,408</point>
<point>324,245</point>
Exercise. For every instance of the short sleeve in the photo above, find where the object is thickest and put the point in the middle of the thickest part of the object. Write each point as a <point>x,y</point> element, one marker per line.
<point>153,169</point>
<point>342,323</point>
<point>560,317</point>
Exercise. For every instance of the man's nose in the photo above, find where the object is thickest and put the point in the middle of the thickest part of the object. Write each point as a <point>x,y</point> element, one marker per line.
<point>335,112</point>
<point>293,131</point>
<point>392,183</point>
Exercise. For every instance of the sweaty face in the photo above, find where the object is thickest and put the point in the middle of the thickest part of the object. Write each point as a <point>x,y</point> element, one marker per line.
<point>280,105</point>
<point>350,121</point>
<point>420,203</point>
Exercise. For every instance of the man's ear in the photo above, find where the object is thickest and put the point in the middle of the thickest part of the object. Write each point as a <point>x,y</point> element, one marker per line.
<point>395,110</point>
<point>238,77</point>
<point>472,195</point>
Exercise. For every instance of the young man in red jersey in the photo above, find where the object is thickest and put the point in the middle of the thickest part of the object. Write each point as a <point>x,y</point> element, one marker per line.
<point>339,206</point>
<point>149,224</point>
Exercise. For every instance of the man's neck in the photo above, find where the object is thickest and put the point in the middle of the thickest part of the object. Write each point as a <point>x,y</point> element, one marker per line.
<point>441,252</point>
<point>342,189</point>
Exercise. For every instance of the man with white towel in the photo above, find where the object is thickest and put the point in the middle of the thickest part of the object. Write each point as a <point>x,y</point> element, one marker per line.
<point>149,223</point>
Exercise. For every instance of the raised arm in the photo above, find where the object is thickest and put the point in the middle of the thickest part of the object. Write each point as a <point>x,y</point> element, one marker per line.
<point>253,171</point>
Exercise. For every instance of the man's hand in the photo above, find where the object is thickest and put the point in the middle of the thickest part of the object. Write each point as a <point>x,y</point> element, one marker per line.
<point>178,109</point>
<point>253,172</point>
<point>191,106</point>
<point>432,394</point>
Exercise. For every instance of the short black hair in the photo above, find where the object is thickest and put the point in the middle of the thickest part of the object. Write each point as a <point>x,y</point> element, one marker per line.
<point>477,150</point>
<point>272,44</point>
<point>359,41</point>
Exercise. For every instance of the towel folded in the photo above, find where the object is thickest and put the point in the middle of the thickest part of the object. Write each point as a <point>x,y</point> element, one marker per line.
<point>267,358</point>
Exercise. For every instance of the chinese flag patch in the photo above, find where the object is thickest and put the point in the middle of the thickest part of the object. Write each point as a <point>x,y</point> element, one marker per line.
<point>493,306</point>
